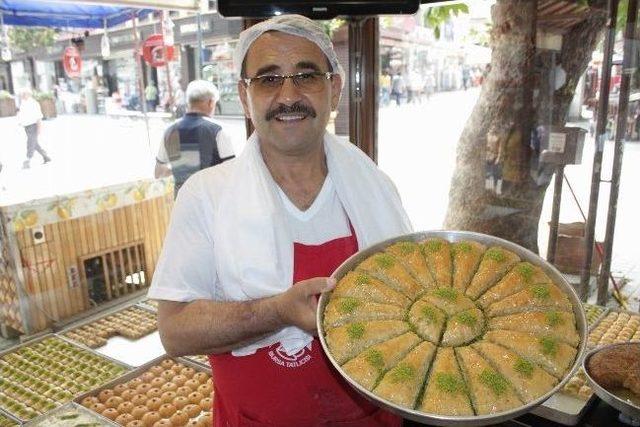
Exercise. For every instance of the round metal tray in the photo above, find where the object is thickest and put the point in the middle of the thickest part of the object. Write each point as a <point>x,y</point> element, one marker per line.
<point>456,236</point>
<point>621,405</point>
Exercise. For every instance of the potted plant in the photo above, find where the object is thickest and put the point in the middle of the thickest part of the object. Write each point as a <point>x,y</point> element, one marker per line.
<point>47,104</point>
<point>7,104</point>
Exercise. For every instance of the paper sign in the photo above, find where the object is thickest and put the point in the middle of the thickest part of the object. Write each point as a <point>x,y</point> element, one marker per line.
<point>557,142</point>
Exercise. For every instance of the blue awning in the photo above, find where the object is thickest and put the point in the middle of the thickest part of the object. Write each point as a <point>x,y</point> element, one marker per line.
<point>51,13</point>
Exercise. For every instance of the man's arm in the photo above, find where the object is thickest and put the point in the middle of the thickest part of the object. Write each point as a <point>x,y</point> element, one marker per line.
<point>211,327</point>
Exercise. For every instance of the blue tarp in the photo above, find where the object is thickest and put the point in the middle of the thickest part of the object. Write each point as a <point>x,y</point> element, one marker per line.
<point>51,13</point>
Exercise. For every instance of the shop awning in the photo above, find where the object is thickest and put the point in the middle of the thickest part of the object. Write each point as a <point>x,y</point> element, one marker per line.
<point>63,14</point>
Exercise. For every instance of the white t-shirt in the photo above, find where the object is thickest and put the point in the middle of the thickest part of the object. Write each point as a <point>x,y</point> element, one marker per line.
<point>30,112</point>
<point>186,270</point>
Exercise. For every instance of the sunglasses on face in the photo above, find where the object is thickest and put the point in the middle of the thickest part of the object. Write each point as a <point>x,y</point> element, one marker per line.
<point>308,82</point>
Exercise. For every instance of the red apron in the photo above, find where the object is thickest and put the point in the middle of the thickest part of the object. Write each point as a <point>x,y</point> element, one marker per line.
<point>270,388</point>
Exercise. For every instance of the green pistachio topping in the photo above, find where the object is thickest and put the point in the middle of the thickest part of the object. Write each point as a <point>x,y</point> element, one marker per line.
<point>433,245</point>
<point>348,305</point>
<point>524,367</point>
<point>549,346</point>
<point>384,261</point>
<point>429,314</point>
<point>496,255</point>
<point>362,279</point>
<point>355,330</point>
<point>402,373</point>
<point>461,248</point>
<point>495,381</point>
<point>449,383</point>
<point>540,291</point>
<point>407,248</point>
<point>553,318</point>
<point>526,271</point>
<point>449,294</point>
<point>467,318</point>
<point>375,358</point>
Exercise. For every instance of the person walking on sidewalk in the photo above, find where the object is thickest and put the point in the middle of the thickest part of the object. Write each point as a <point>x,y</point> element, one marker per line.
<point>30,118</point>
<point>151,95</point>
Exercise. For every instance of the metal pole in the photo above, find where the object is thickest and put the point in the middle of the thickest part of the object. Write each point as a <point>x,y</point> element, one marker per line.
<point>166,60</point>
<point>199,49</point>
<point>621,129</point>
<point>143,98</point>
<point>555,215</point>
<point>601,125</point>
<point>136,54</point>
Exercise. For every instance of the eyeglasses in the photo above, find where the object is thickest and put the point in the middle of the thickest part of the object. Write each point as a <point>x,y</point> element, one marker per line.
<point>309,82</point>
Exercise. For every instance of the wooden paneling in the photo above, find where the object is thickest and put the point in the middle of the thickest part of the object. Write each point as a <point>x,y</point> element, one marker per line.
<point>131,236</point>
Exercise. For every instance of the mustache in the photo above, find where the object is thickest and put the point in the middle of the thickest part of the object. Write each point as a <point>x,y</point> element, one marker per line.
<point>297,107</point>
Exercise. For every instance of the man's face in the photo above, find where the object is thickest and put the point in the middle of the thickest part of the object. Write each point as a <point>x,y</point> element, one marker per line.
<point>288,119</point>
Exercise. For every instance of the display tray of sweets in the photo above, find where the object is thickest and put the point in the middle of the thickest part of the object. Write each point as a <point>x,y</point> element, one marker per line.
<point>568,405</point>
<point>46,373</point>
<point>70,415</point>
<point>594,313</point>
<point>133,322</point>
<point>163,392</point>
<point>8,421</point>
<point>200,360</point>
<point>451,328</point>
<point>149,304</point>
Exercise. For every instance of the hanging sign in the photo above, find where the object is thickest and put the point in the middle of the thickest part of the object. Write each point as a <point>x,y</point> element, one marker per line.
<point>153,50</point>
<point>167,29</point>
<point>105,46</point>
<point>72,61</point>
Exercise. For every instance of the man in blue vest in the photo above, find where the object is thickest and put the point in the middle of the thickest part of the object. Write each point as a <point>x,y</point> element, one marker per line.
<point>194,142</point>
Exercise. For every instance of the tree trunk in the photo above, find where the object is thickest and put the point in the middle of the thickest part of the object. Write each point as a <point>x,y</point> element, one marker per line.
<point>505,111</point>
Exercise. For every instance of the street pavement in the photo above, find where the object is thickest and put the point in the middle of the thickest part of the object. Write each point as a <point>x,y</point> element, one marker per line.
<point>416,148</point>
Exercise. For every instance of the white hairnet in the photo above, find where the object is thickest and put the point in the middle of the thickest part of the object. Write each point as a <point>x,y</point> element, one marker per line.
<point>296,25</point>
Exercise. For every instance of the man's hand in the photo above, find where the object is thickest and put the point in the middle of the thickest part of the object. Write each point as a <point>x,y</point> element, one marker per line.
<point>298,305</point>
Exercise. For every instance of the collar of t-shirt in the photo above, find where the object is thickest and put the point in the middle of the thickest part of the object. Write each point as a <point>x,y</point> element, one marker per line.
<point>323,221</point>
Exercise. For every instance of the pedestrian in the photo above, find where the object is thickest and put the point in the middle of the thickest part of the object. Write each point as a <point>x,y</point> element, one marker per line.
<point>466,77</point>
<point>397,87</point>
<point>194,142</point>
<point>151,95</point>
<point>253,241</point>
<point>30,118</point>
<point>385,88</point>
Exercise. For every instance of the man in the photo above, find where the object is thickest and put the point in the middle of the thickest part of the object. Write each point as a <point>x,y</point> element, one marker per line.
<point>30,117</point>
<point>252,241</point>
<point>194,142</point>
<point>151,95</point>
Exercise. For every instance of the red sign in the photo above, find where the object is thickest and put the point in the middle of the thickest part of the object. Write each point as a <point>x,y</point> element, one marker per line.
<point>153,50</point>
<point>72,61</point>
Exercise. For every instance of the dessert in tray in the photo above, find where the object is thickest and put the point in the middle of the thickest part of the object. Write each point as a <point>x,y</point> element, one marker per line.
<point>41,376</point>
<point>7,422</point>
<point>450,328</point>
<point>164,393</point>
<point>133,323</point>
